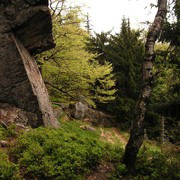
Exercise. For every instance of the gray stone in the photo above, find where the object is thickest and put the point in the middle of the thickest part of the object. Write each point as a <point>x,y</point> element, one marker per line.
<point>80,110</point>
<point>84,112</point>
<point>25,30</point>
<point>12,115</point>
<point>87,128</point>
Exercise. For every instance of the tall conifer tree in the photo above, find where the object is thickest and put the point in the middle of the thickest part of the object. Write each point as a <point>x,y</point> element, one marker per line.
<point>125,51</point>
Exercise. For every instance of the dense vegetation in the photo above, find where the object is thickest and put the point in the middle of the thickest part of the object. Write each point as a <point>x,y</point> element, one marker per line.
<point>72,153</point>
<point>69,70</point>
<point>104,71</point>
<point>125,50</point>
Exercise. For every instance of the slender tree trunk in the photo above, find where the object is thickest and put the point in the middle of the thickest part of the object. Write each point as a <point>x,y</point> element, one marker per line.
<point>137,131</point>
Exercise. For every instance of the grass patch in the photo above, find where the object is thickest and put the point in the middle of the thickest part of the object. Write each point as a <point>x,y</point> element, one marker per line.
<point>74,126</point>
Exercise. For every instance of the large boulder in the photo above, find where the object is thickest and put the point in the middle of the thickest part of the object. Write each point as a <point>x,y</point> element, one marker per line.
<point>25,30</point>
<point>82,111</point>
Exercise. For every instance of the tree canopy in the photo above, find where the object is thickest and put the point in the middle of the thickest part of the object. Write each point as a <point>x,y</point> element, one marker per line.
<point>69,70</point>
<point>125,51</point>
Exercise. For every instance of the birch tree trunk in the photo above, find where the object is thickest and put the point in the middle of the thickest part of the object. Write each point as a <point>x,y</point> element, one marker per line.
<point>137,130</point>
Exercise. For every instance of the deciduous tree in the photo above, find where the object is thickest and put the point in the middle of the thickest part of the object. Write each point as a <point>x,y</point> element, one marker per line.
<point>70,71</point>
<point>137,131</point>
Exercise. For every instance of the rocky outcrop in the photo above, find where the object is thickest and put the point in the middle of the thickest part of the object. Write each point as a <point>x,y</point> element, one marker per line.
<point>25,30</point>
<point>82,111</point>
<point>12,115</point>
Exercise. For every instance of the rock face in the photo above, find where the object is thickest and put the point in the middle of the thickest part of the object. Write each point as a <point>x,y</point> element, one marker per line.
<point>13,115</point>
<point>25,30</point>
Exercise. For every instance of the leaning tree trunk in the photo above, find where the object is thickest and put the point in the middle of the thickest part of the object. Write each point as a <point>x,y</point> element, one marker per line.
<point>137,131</point>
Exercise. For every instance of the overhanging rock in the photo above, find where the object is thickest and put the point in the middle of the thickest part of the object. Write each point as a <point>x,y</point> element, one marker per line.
<point>25,30</point>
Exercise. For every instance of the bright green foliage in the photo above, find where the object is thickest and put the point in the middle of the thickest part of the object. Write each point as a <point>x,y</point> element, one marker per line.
<point>66,153</point>
<point>8,132</point>
<point>125,51</point>
<point>8,170</point>
<point>71,72</point>
<point>72,153</point>
<point>54,154</point>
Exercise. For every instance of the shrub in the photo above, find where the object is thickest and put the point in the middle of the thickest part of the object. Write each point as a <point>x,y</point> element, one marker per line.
<point>54,154</point>
<point>119,172</point>
<point>8,170</point>
<point>2,134</point>
<point>152,164</point>
<point>113,152</point>
<point>158,165</point>
<point>7,133</point>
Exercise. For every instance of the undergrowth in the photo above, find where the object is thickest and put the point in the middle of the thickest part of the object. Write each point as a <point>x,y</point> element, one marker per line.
<point>56,154</point>
<point>8,170</point>
<point>153,163</point>
<point>70,153</point>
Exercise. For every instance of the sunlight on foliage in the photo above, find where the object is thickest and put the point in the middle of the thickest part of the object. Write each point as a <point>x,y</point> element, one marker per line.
<point>69,70</point>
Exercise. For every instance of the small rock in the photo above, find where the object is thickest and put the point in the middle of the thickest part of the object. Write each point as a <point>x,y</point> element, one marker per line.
<point>4,143</point>
<point>87,127</point>
<point>21,126</point>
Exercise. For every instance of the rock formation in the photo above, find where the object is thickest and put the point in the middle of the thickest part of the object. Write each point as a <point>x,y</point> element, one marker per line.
<point>25,30</point>
<point>82,111</point>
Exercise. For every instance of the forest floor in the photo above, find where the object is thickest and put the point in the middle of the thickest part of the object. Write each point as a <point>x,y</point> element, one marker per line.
<point>112,135</point>
<point>101,172</point>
